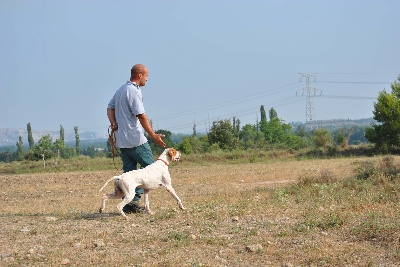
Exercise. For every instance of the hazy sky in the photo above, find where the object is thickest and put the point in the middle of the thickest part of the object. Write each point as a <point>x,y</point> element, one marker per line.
<point>62,61</point>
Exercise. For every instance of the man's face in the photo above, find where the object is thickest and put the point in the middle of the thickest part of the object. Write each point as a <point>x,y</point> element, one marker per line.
<point>143,78</point>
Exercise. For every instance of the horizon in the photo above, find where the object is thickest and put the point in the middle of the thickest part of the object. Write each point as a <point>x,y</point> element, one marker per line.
<point>177,133</point>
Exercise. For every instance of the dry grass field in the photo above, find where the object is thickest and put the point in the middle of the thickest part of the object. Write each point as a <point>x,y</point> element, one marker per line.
<point>279,212</point>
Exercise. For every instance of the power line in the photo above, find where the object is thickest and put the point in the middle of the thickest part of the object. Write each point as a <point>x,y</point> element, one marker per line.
<point>227,102</point>
<point>242,113</point>
<point>310,93</point>
<point>347,97</point>
<point>353,82</point>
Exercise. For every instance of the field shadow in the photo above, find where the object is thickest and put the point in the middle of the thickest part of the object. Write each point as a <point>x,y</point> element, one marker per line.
<point>57,216</point>
<point>93,216</point>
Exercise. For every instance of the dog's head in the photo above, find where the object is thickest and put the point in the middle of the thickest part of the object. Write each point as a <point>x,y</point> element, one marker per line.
<point>174,154</point>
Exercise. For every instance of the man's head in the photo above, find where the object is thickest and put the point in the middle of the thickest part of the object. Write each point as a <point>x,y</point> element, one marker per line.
<point>139,74</point>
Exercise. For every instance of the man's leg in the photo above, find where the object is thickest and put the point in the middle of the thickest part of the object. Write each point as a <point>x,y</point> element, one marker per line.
<point>142,155</point>
<point>129,164</point>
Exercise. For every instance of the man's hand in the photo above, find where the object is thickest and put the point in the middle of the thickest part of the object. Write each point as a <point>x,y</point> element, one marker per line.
<point>111,117</point>
<point>114,126</point>
<point>144,121</point>
<point>158,139</point>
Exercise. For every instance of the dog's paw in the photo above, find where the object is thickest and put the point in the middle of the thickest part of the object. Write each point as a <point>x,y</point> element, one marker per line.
<point>150,212</point>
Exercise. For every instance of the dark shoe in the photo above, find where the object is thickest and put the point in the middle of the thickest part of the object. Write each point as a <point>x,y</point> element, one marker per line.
<point>133,207</point>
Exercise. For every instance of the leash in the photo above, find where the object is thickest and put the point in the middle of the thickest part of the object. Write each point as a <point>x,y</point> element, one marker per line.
<point>112,138</point>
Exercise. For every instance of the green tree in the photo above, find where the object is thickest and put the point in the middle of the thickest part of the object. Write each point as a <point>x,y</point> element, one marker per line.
<point>6,156</point>
<point>342,136</point>
<point>272,114</point>
<point>20,149</point>
<point>263,123</point>
<point>386,133</point>
<point>275,131</point>
<point>251,137</point>
<point>194,130</point>
<point>59,150</point>
<point>322,138</point>
<point>236,126</point>
<point>59,145</point>
<point>30,136</point>
<point>43,148</point>
<point>185,146</point>
<point>301,131</point>
<point>77,141</point>
<point>263,113</point>
<point>223,133</point>
<point>62,135</point>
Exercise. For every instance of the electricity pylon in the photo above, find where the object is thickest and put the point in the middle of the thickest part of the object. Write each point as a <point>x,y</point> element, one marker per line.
<point>310,93</point>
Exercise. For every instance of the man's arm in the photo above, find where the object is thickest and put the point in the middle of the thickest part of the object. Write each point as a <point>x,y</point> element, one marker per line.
<point>144,121</point>
<point>111,117</point>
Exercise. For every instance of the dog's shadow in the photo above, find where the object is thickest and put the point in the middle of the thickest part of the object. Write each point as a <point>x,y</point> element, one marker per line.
<point>94,216</point>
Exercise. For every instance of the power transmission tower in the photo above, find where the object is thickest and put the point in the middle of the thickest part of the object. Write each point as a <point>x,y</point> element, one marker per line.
<point>311,92</point>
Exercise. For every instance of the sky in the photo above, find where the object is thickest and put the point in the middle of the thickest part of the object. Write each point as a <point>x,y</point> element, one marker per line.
<point>62,61</point>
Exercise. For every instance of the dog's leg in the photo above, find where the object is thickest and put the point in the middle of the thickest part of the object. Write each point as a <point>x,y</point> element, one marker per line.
<point>128,198</point>
<point>103,203</point>
<point>146,201</point>
<point>116,194</point>
<point>120,206</point>
<point>171,190</point>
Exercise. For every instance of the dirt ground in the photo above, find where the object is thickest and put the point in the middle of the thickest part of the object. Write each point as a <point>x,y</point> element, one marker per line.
<point>232,219</point>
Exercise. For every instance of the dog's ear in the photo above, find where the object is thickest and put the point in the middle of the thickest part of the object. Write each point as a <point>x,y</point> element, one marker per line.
<point>172,153</point>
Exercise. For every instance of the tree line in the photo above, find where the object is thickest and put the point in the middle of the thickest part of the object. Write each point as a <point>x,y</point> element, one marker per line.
<point>44,149</point>
<point>228,135</point>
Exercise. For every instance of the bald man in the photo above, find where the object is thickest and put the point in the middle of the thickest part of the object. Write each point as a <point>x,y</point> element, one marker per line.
<point>129,121</point>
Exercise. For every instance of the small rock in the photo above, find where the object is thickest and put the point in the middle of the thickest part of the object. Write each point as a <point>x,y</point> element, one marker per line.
<point>192,236</point>
<point>5,255</point>
<point>99,243</point>
<point>254,248</point>
<point>51,219</point>
<point>25,230</point>
<point>65,262</point>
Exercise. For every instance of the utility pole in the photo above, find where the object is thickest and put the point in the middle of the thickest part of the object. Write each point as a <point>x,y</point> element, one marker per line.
<point>310,93</point>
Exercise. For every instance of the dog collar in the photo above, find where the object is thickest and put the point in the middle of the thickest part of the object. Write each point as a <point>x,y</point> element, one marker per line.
<point>163,161</point>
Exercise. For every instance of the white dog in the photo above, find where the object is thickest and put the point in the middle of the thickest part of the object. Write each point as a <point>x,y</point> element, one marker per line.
<point>151,177</point>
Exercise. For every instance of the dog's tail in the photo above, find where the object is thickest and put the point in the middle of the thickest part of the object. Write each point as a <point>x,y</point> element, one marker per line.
<point>109,180</point>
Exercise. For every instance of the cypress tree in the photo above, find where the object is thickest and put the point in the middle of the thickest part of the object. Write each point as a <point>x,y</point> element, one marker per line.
<point>30,136</point>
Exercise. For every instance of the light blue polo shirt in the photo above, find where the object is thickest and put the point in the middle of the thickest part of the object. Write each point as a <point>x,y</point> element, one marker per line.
<point>128,103</point>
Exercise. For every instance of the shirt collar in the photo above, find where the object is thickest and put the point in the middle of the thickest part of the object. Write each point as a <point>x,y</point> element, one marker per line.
<point>133,83</point>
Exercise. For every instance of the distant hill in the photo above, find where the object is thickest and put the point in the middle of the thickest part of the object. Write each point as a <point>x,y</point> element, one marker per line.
<point>332,125</point>
<point>9,137</point>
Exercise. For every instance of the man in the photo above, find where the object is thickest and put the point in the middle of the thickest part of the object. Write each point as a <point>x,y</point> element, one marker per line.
<point>128,119</point>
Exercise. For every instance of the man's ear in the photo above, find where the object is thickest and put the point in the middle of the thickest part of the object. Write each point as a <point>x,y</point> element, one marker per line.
<point>172,152</point>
